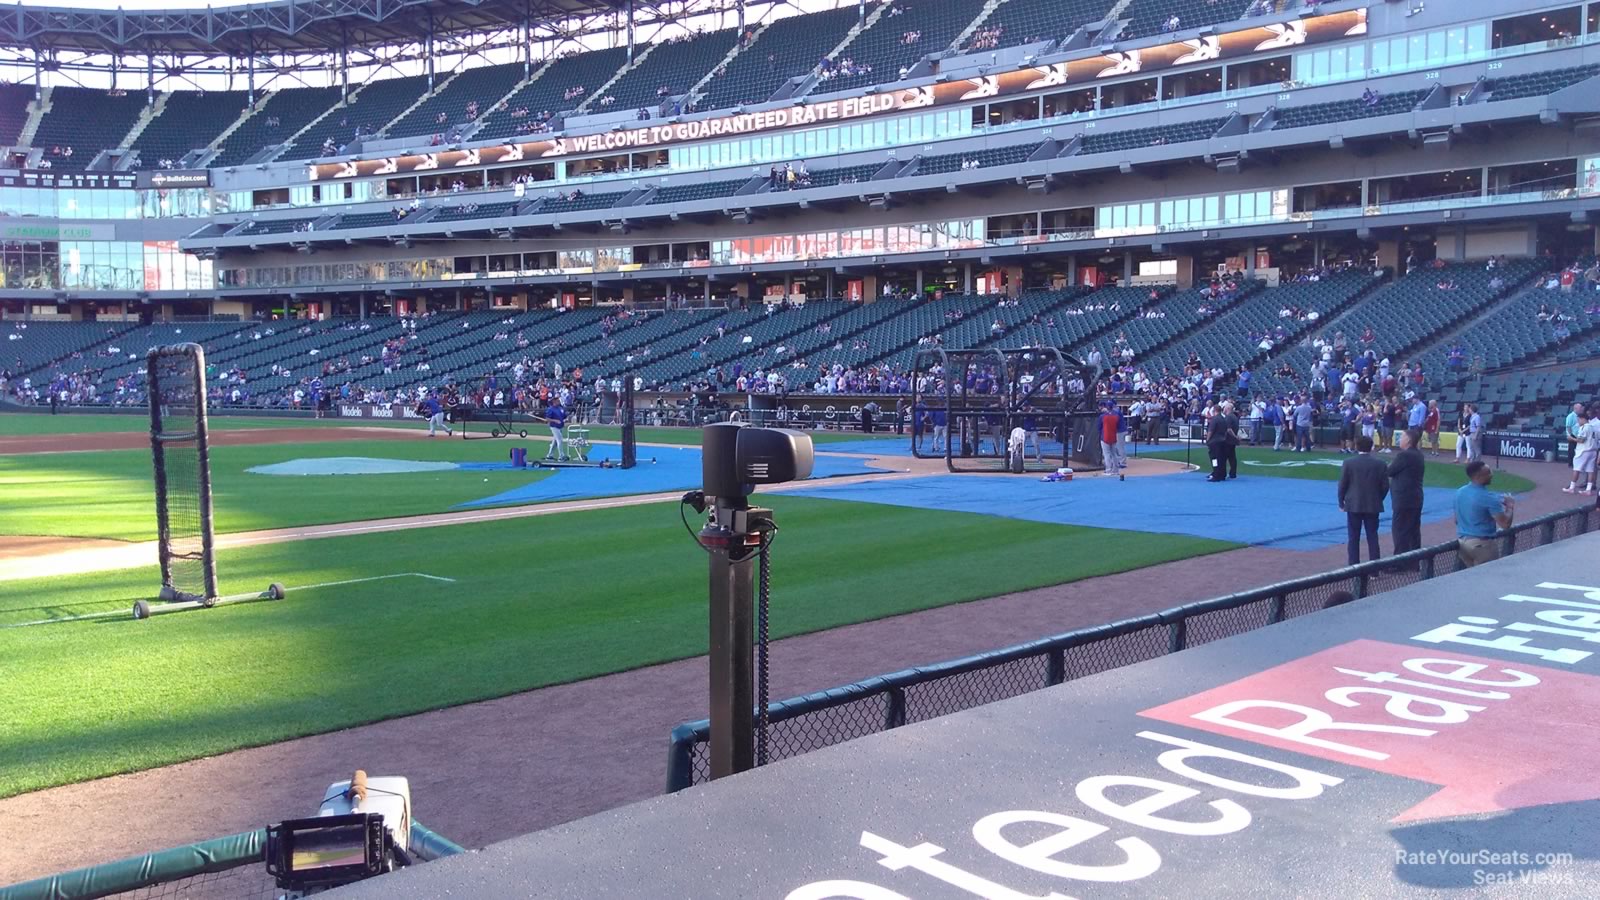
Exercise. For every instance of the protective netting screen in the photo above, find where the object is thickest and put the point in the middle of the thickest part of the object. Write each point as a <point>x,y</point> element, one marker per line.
<point>182,473</point>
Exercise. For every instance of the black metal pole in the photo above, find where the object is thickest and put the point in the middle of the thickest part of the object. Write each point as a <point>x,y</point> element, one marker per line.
<point>732,646</point>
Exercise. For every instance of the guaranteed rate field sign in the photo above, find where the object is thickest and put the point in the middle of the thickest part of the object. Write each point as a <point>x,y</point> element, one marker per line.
<point>1437,738</point>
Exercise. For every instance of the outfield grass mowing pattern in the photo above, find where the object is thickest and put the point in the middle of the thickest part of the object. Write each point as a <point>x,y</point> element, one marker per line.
<point>538,601</point>
<point>1279,464</point>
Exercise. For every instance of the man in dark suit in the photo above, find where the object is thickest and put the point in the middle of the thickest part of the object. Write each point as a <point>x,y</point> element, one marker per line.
<point>1218,435</point>
<point>1405,487</point>
<point>1230,447</point>
<point>1363,483</point>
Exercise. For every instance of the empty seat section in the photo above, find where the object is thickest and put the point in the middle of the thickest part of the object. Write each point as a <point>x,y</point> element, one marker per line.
<point>472,354</point>
<point>578,201</point>
<point>86,121</point>
<point>365,220</point>
<point>1538,84</point>
<point>988,158</point>
<point>191,120</point>
<point>1029,307</point>
<point>698,338</point>
<point>789,48</point>
<point>1346,110</point>
<point>702,191</point>
<point>1070,325</point>
<point>1405,315</point>
<point>1149,17</point>
<point>755,345</point>
<point>906,32</point>
<point>278,226</point>
<point>276,119</point>
<point>797,356</point>
<point>474,211</point>
<point>483,85</point>
<point>14,100</point>
<point>1028,21</point>
<point>372,108</point>
<point>567,83</point>
<point>671,69</point>
<point>842,175</point>
<point>1099,141</point>
<point>29,346</point>
<point>1524,328</point>
<point>1281,315</point>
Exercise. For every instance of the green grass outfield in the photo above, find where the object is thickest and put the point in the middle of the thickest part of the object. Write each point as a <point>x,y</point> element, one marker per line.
<point>1284,464</point>
<point>109,493</point>
<point>537,601</point>
<point>25,424</point>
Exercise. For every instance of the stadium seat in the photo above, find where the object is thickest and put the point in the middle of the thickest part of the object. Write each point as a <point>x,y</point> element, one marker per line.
<point>1149,17</point>
<point>750,344</point>
<point>373,107</point>
<point>14,100</point>
<point>1232,338</point>
<point>788,48</point>
<point>473,211</point>
<point>1346,110</point>
<point>191,120</point>
<point>1410,313</point>
<point>280,226</point>
<point>484,85</point>
<point>40,345</point>
<point>704,190</point>
<point>989,158</point>
<point>1514,333</point>
<point>582,202</point>
<point>884,47</point>
<point>1538,84</point>
<point>671,69</point>
<point>292,108</point>
<point>1108,141</point>
<point>1031,21</point>
<point>365,220</point>
<point>547,93</point>
<point>87,121</point>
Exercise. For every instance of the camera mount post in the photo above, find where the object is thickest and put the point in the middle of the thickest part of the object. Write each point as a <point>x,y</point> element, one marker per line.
<point>734,461</point>
<point>733,540</point>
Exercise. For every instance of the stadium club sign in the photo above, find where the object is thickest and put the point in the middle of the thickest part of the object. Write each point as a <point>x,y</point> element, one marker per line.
<point>169,178</point>
<point>1262,39</point>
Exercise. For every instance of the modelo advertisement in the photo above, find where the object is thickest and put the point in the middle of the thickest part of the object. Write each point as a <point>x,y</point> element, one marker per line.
<point>369,411</point>
<point>1522,445</point>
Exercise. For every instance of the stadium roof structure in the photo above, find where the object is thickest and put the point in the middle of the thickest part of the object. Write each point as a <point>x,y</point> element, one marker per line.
<point>282,26</point>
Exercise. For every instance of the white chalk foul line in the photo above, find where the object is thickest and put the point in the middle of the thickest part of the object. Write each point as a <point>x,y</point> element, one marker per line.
<point>235,598</point>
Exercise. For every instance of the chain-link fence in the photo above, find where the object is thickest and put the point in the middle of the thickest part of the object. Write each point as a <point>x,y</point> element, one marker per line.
<point>841,714</point>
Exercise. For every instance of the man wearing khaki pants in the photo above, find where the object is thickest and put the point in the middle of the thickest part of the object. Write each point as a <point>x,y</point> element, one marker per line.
<point>1480,514</point>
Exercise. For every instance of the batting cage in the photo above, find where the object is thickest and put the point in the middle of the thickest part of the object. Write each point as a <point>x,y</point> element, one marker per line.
<point>182,461</point>
<point>991,410</point>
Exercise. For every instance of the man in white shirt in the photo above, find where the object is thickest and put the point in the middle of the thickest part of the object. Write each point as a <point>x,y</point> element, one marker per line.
<point>1474,435</point>
<point>1585,455</point>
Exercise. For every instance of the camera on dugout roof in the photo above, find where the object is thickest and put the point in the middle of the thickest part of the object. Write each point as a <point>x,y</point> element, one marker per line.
<point>736,459</point>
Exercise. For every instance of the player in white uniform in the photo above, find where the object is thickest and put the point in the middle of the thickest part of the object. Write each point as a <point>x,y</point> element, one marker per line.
<point>1588,453</point>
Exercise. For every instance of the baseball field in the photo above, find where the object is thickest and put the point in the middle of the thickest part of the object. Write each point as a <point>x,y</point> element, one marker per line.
<point>417,590</point>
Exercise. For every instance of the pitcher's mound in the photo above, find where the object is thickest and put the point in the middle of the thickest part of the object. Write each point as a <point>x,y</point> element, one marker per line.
<point>351,465</point>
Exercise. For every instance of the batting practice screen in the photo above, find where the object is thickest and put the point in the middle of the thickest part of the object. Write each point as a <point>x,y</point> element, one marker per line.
<point>178,448</point>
